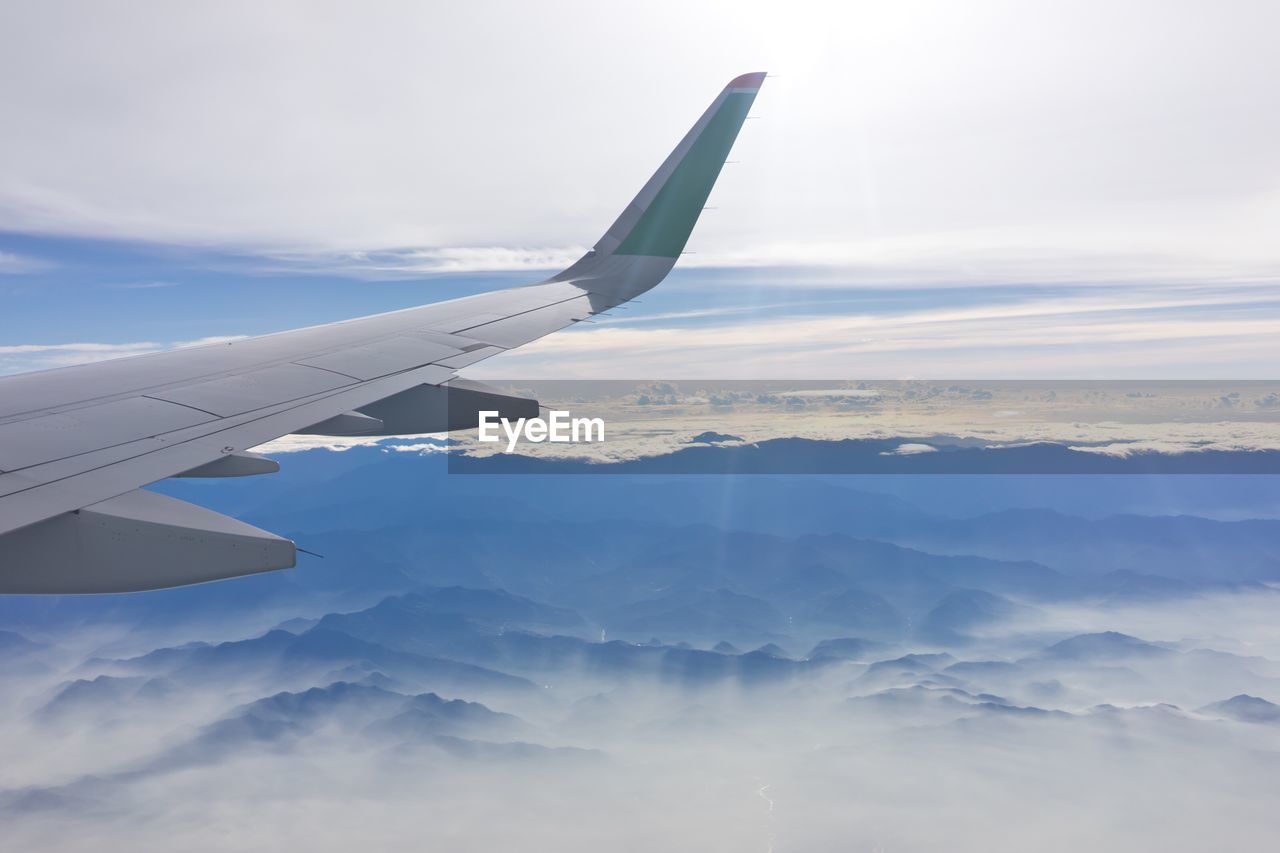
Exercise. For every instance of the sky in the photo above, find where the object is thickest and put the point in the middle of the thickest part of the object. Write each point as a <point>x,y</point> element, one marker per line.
<point>1059,189</point>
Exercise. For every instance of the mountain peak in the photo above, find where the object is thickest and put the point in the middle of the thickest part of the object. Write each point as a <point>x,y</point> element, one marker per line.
<point>1104,645</point>
<point>1245,709</point>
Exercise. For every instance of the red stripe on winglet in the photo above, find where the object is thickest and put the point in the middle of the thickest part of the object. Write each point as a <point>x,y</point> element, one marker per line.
<point>747,81</point>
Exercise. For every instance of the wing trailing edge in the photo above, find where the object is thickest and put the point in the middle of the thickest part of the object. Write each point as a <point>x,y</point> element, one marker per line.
<point>138,540</point>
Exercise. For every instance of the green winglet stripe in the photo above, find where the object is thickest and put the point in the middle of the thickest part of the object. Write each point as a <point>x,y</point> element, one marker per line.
<point>664,228</point>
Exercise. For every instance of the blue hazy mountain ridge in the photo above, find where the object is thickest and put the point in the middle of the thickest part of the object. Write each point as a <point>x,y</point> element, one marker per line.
<point>105,693</point>
<point>699,613</point>
<point>475,650</point>
<point>399,623</point>
<point>361,706</point>
<point>1108,645</point>
<point>401,638</point>
<point>1179,545</point>
<point>535,536</point>
<point>880,456</point>
<point>493,607</point>
<point>20,656</point>
<point>848,648</point>
<point>13,644</point>
<point>283,658</point>
<point>963,610</point>
<point>280,722</point>
<point>713,437</point>
<point>1250,709</point>
<point>311,475</point>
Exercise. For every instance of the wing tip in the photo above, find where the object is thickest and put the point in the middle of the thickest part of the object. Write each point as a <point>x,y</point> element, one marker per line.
<point>752,81</point>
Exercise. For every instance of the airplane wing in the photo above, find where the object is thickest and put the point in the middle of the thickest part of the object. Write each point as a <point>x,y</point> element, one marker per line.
<point>77,444</point>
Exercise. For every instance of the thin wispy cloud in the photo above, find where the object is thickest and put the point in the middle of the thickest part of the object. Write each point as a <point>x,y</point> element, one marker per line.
<point>863,260</point>
<point>415,262</point>
<point>142,285</point>
<point>1091,331</point>
<point>12,263</point>
<point>1085,333</point>
<point>19,358</point>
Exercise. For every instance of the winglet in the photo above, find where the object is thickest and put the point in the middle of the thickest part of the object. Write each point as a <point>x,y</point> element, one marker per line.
<point>749,82</point>
<point>658,221</point>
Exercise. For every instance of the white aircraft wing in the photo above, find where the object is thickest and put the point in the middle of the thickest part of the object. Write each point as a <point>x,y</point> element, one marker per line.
<point>78,443</point>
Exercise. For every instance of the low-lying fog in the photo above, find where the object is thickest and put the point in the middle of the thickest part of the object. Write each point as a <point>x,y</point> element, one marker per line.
<point>1096,741</point>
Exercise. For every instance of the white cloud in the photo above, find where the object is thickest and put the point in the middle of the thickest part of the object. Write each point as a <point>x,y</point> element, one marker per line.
<point>24,349</point>
<point>18,358</point>
<point>424,443</point>
<point>837,393</point>
<point>915,141</point>
<point>1126,449</point>
<point>418,262</point>
<point>910,449</point>
<point>208,339</point>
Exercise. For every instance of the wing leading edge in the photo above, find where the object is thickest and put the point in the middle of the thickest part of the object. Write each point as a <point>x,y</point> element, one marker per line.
<point>78,443</point>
